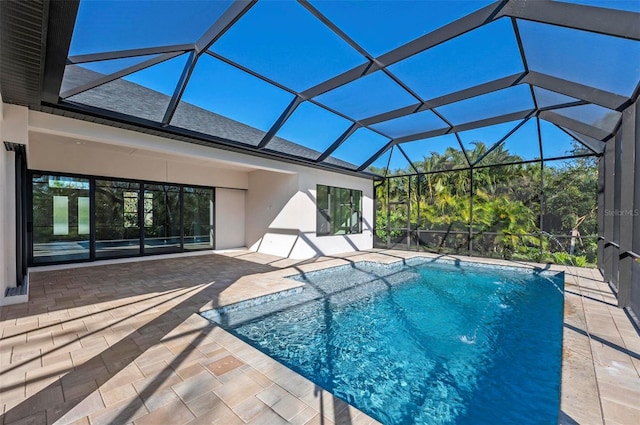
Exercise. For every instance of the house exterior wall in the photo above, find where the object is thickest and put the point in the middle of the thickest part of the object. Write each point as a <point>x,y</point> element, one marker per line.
<point>274,210</point>
<point>99,159</point>
<point>281,214</point>
<point>229,222</point>
<point>327,245</point>
<point>13,128</point>
<point>272,218</point>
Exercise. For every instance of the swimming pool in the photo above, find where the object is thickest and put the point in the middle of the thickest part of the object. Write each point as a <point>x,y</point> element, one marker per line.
<point>425,342</point>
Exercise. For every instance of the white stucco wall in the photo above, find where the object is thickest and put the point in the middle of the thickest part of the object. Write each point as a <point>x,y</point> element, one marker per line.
<point>281,214</point>
<point>327,245</point>
<point>272,219</point>
<point>13,128</point>
<point>55,153</point>
<point>274,212</point>
<point>230,213</point>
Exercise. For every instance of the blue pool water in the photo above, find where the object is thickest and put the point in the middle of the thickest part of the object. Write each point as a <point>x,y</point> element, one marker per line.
<point>424,342</point>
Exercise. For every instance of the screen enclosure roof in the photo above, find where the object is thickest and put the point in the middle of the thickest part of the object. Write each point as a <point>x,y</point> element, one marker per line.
<point>356,86</point>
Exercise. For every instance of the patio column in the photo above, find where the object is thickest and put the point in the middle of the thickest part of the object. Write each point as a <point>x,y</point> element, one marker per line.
<point>601,216</point>
<point>609,183</point>
<point>629,234</point>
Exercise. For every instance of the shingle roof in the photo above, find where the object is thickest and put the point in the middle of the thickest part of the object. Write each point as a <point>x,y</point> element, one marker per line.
<point>130,98</point>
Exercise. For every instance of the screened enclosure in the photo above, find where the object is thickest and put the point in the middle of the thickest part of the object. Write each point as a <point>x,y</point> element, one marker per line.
<point>501,128</point>
<point>544,211</point>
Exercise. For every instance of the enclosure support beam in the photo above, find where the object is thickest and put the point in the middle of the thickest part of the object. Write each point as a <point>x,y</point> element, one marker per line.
<point>471,189</point>
<point>541,198</point>
<point>628,180</point>
<point>577,90</point>
<point>609,177</point>
<point>617,185</point>
<point>601,217</point>
<point>617,23</point>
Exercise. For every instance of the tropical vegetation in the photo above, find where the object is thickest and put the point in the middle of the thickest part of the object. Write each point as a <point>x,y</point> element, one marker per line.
<point>524,210</point>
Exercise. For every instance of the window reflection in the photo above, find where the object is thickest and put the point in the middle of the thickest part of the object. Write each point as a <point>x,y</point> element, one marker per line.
<point>89,218</point>
<point>162,220</point>
<point>117,227</point>
<point>60,219</point>
<point>339,211</point>
<point>198,218</point>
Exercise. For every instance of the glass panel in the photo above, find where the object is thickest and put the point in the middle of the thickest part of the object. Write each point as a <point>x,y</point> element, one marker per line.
<point>311,128</point>
<point>379,166</point>
<point>323,219</point>
<point>368,96</point>
<point>161,218</point>
<point>77,75</point>
<point>400,22</point>
<point>117,222</point>
<point>359,147</point>
<point>198,218</point>
<point>476,142</point>
<point>59,218</point>
<point>283,41</point>
<point>339,211</point>
<point>340,207</point>
<point>556,143</point>
<point>60,215</point>
<point>546,98</point>
<point>596,145</point>
<point>223,101</point>
<point>570,216</point>
<point>104,26</point>
<point>594,115</point>
<point>522,145</point>
<point>465,61</point>
<point>380,227</point>
<point>436,153</point>
<point>399,164</point>
<point>411,124</point>
<point>566,53</point>
<point>84,224</point>
<point>147,92</point>
<point>628,5</point>
<point>501,102</point>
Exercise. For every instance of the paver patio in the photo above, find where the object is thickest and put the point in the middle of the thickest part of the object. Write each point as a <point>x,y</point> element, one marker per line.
<point>123,343</point>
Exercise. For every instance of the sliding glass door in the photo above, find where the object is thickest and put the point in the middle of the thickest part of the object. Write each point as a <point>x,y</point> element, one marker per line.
<point>198,217</point>
<point>78,218</point>
<point>117,219</point>
<point>162,218</point>
<point>61,218</point>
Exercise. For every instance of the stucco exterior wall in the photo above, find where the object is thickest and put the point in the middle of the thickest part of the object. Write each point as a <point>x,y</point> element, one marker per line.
<point>281,214</point>
<point>13,128</point>
<point>55,153</point>
<point>229,222</point>
<point>272,217</point>
<point>264,204</point>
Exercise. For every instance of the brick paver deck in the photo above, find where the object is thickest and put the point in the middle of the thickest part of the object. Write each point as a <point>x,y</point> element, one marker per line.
<point>123,343</point>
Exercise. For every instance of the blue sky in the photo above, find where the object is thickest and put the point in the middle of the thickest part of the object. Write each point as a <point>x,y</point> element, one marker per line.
<point>287,44</point>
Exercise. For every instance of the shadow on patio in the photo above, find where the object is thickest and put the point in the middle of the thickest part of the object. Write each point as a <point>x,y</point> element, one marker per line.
<point>121,343</point>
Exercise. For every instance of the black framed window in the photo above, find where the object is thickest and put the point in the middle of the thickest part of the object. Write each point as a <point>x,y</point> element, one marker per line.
<point>61,218</point>
<point>162,222</point>
<point>86,218</point>
<point>117,219</point>
<point>198,217</point>
<point>339,211</point>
